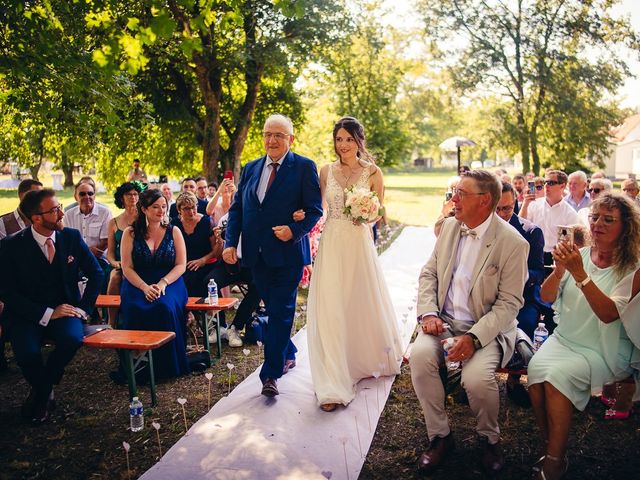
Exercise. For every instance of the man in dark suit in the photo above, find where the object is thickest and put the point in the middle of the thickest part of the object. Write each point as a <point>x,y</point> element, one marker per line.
<point>529,315</point>
<point>41,267</point>
<point>274,246</point>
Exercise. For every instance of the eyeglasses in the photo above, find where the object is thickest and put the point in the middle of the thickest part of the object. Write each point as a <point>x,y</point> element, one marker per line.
<point>539,187</point>
<point>276,136</point>
<point>58,209</point>
<point>131,194</point>
<point>505,209</point>
<point>462,193</point>
<point>607,219</point>
<point>632,190</point>
<point>85,194</point>
<point>551,183</point>
<point>595,190</point>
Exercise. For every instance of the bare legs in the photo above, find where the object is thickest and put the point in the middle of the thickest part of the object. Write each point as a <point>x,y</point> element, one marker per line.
<point>553,416</point>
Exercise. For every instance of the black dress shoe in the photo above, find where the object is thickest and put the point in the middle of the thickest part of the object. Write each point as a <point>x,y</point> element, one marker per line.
<point>41,412</point>
<point>270,388</point>
<point>492,457</point>
<point>439,448</point>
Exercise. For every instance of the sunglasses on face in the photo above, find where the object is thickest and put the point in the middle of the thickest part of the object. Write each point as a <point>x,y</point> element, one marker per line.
<point>85,194</point>
<point>539,187</point>
<point>551,183</point>
<point>595,190</point>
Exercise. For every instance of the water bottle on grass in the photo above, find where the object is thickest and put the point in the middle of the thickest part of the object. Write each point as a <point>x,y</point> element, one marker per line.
<point>136,415</point>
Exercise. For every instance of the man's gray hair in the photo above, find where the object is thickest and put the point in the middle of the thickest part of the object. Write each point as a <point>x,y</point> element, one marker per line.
<point>278,117</point>
<point>487,182</point>
<point>579,174</point>
<point>605,182</point>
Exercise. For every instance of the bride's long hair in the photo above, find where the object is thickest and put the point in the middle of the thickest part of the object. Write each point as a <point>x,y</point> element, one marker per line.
<point>356,130</point>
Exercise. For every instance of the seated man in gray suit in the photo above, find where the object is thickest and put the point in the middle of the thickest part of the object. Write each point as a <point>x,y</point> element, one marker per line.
<point>471,290</point>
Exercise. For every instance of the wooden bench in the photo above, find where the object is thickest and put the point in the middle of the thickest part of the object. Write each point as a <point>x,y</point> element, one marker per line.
<point>126,340</point>
<point>194,304</point>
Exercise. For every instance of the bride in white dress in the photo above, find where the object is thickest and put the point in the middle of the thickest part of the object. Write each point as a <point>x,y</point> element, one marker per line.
<point>352,329</point>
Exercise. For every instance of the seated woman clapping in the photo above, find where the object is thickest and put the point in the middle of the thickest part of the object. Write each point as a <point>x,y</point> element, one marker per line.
<point>589,347</point>
<point>154,296</point>
<point>201,244</point>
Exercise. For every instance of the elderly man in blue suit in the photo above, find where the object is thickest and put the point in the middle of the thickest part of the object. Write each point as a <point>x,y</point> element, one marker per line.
<point>274,246</point>
<point>529,315</point>
<point>42,266</point>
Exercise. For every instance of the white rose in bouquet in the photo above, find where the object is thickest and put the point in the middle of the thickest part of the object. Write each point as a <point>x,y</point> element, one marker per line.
<point>362,205</point>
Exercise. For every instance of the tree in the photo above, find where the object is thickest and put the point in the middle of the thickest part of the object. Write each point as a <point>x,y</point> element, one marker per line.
<point>54,93</point>
<point>519,49</point>
<point>215,67</point>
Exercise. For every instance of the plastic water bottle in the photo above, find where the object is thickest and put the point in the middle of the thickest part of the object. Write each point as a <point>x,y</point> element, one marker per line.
<point>447,345</point>
<point>540,336</point>
<point>136,415</point>
<point>212,292</point>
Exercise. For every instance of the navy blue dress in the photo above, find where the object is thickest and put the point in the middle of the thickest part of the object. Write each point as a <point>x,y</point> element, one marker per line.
<point>166,313</point>
<point>198,245</point>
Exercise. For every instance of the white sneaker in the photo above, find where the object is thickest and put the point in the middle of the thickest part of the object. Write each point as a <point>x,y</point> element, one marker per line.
<point>234,337</point>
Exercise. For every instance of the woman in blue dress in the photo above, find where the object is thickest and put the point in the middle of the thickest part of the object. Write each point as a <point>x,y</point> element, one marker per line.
<point>153,293</point>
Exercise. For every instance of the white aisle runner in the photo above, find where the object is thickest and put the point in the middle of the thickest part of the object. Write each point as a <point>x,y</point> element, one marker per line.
<point>248,436</point>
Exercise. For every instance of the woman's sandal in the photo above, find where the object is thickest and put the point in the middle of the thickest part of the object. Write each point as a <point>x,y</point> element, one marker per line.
<point>328,407</point>
<point>542,476</point>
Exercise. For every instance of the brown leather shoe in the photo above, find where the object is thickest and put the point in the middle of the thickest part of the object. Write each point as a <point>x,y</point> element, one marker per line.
<point>270,388</point>
<point>439,448</point>
<point>492,457</point>
<point>288,365</point>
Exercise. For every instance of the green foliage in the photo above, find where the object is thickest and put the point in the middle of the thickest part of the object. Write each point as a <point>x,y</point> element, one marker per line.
<point>521,51</point>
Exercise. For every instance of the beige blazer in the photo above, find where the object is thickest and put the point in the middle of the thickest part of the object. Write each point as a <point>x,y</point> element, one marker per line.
<point>497,281</point>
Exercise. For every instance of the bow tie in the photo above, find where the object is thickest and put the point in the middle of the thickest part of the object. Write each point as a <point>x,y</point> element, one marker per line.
<point>464,231</point>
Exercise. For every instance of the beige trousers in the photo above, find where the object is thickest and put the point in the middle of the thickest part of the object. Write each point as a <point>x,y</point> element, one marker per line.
<point>478,380</point>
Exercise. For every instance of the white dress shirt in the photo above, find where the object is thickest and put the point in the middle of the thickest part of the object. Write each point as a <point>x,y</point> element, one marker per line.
<point>264,176</point>
<point>456,303</point>
<point>548,218</point>
<point>93,227</point>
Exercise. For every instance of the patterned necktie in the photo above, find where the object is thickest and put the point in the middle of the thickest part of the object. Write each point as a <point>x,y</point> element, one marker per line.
<point>51,249</point>
<point>272,176</point>
<point>464,232</point>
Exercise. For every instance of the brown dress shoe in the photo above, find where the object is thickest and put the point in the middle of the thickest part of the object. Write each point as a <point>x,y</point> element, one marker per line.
<point>270,388</point>
<point>328,407</point>
<point>288,365</point>
<point>492,457</point>
<point>439,448</point>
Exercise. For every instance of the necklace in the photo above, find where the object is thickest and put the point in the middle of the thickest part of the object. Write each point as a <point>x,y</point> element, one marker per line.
<point>353,172</point>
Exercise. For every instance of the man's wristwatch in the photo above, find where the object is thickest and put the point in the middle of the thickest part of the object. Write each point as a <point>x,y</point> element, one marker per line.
<point>581,284</point>
<point>476,343</point>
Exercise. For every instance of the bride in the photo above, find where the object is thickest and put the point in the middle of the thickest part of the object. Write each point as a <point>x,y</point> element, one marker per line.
<point>352,329</point>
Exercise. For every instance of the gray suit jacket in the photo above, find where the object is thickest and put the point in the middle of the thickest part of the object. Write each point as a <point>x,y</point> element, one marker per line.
<point>497,282</point>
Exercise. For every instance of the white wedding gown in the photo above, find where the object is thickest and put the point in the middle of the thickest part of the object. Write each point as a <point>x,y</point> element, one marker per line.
<point>352,329</point>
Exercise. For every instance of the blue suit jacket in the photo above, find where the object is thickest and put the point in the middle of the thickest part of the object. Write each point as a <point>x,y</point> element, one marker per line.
<point>20,261</point>
<point>535,262</point>
<point>295,187</point>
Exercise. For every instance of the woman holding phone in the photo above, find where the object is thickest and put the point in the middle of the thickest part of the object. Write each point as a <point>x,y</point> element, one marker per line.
<point>221,202</point>
<point>589,346</point>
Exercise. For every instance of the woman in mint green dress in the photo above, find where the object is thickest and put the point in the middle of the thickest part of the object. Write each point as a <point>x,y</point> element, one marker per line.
<point>589,347</point>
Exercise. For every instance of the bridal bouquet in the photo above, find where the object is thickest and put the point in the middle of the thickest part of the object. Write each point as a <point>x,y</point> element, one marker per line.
<point>362,205</point>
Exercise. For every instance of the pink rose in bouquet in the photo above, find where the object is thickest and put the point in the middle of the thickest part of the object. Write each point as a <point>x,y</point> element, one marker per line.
<point>362,205</point>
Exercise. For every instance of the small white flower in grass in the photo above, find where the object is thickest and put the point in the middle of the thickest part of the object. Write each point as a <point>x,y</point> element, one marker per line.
<point>208,375</point>
<point>155,425</point>
<point>259,343</point>
<point>246,352</point>
<point>182,401</point>
<point>126,446</point>
<point>230,366</point>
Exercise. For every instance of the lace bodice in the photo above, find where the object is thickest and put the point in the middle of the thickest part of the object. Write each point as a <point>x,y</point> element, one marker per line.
<point>334,194</point>
<point>160,262</point>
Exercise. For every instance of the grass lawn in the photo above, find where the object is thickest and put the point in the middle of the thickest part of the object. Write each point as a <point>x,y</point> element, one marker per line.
<point>410,198</point>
